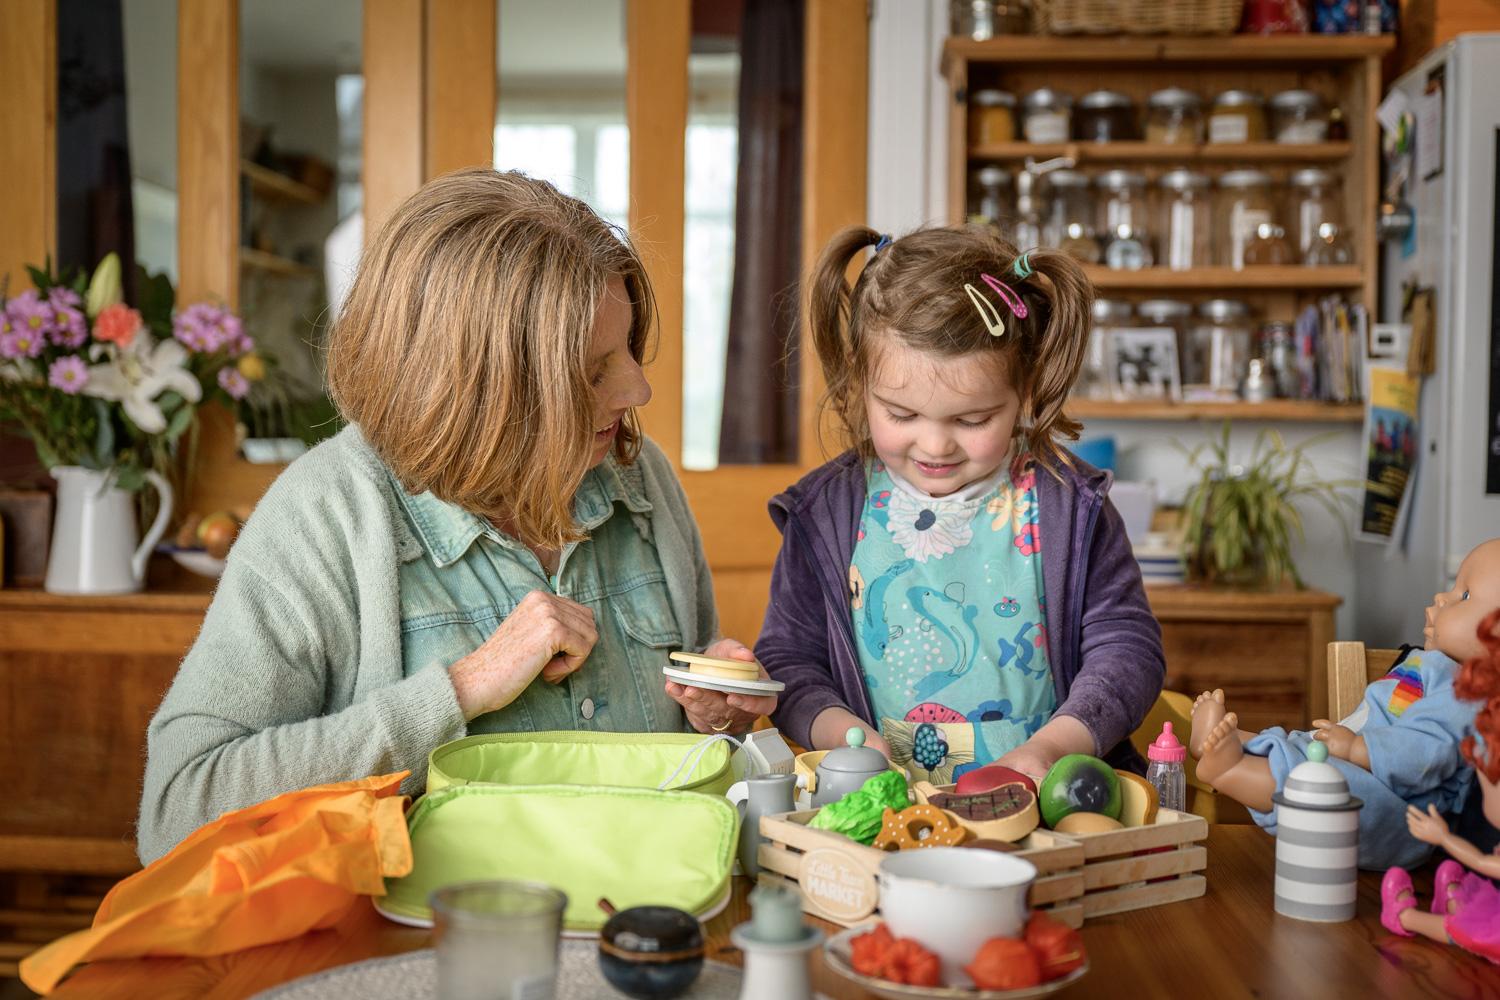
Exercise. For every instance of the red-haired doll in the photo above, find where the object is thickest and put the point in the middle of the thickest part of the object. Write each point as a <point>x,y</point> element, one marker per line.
<point>1465,906</point>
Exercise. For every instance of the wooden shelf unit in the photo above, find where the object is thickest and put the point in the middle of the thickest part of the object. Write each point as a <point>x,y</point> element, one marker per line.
<point>252,259</point>
<point>1228,280</point>
<point>268,184</point>
<point>1299,410</point>
<point>1163,153</point>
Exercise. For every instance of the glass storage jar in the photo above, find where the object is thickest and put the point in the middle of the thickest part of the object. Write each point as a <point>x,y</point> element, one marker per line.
<point>1093,378</point>
<point>1070,203</point>
<point>1298,117</point>
<point>992,117</point>
<point>992,197</point>
<point>1184,226</point>
<point>1122,201</point>
<point>1218,353</point>
<point>1105,116</point>
<point>1237,116</point>
<point>1174,314</point>
<point>1269,248</point>
<point>1244,203</point>
<point>1330,248</point>
<point>1047,115</point>
<point>981,19</point>
<point>1174,117</point>
<point>1313,194</point>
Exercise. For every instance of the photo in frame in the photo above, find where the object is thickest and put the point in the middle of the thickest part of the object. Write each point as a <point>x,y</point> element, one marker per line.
<point>1143,364</point>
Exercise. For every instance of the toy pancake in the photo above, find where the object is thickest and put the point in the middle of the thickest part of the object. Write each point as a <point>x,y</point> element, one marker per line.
<point>718,674</point>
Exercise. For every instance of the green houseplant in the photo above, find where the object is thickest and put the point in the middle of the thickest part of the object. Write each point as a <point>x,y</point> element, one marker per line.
<point>1241,521</point>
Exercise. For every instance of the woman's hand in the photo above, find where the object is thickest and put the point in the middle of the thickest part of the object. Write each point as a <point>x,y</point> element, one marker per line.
<point>545,634</point>
<point>715,711</point>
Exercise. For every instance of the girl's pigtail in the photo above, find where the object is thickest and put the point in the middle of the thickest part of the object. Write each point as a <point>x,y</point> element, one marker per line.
<point>1479,679</point>
<point>828,322</point>
<point>1061,345</point>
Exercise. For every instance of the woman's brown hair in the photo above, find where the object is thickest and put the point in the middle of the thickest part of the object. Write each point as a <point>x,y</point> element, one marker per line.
<point>462,348</point>
<point>912,290</point>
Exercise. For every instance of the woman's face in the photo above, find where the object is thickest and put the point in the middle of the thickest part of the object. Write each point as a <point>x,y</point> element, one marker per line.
<point>615,374</point>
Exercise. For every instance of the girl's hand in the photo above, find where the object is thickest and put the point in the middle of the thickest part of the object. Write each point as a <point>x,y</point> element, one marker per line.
<point>1062,735</point>
<point>545,634</point>
<point>830,729</point>
<point>716,712</point>
<point>1428,827</point>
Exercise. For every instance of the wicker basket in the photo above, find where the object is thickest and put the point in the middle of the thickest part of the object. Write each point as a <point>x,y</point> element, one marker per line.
<point>1136,17</point>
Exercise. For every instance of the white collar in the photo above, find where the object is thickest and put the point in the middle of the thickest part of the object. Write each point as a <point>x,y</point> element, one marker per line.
<point>973,491</point>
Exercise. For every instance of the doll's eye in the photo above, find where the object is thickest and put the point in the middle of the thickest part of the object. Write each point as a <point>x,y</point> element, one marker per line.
<point>1465,596</point>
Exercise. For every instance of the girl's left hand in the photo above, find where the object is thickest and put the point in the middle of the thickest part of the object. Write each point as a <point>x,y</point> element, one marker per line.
<point>1030,759</point>
<point>1428,827</point>
<point>1061,736</point>
<point>716,712</point>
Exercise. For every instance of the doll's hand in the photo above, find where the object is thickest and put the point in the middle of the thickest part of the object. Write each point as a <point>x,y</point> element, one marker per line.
<point>1428,827</point>
<point>1339,739</point>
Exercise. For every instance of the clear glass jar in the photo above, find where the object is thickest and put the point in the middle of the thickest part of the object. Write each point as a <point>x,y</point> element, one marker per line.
<point>992,199</point>
<point>1274,346</point>
<point>1184,219</point>
<point>1078,244</point>
<point>1105,116</point>
<point>981,19</point>
<point>1269,248</point>
<point>1174,117</point>
<point>1330,248</point>
<point>1047,116</point>
<point>1237,116</point>
<point>1126,248</point>
<point>1070,202</point>
<point>1122,202</point>
<point>1314,197</point>
<point>1171,313</point>
<point>1218,354</point>
<point>1243,204</point>
<point>992,117</point>
<point>1298,117</point>
<point>1093,377</point>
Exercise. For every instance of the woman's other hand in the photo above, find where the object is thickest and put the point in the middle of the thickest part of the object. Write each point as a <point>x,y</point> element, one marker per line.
<point>715,711</point>
<point>545,634</point>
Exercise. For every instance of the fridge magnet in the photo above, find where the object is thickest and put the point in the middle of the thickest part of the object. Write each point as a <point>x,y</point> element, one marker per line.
<point>1390,447</point>
<point>1143,364</point>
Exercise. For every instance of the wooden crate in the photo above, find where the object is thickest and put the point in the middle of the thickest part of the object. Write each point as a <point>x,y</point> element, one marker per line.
<point>836,876</point>
<point>1119,875</point>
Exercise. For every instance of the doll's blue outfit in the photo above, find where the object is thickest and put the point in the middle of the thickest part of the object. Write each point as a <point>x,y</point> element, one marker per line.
<point>1412,725</point>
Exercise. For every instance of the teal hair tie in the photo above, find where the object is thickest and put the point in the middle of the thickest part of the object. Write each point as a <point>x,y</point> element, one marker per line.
<point>1022,267</point>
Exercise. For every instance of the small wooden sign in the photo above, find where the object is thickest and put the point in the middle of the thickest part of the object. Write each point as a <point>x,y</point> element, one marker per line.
<point>836,884</point>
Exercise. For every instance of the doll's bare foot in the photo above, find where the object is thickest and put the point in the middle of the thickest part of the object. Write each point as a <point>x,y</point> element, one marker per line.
<point>1208,709</point>
<point>1224,764</point>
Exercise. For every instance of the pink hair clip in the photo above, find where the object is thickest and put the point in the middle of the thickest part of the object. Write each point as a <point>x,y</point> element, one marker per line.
<point>987,310</point>
<point>1008,295</point>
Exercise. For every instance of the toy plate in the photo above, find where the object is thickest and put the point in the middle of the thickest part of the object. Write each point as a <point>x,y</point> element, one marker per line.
<point>723,683</point>
<point>194,560</point>
<point>836,952</point>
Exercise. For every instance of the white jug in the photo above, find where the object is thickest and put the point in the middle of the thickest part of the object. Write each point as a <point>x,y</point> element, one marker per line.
<point>93,535</point>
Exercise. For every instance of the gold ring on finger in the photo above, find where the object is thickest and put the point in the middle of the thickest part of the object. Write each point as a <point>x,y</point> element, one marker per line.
<point>720,729</point>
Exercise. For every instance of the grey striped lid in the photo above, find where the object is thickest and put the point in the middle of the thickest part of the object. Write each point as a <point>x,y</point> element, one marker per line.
<point>1315,784</point>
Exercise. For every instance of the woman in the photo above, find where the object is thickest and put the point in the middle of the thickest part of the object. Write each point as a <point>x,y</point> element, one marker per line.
<point>491,516</point>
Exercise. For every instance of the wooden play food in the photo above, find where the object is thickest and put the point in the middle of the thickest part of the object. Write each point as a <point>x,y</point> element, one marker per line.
<point>918,826</point>
<point>1082,822</point>
<point>1078,783</point>
<point>1139,799</point>
<point>991,776</point>
<point>714,666</point>
<point>1008,812</point>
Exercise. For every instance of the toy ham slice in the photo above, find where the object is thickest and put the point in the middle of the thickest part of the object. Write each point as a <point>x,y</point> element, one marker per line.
<point>1005,813</point>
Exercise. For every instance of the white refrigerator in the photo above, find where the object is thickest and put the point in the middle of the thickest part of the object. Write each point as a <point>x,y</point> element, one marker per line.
<point>1454,95</point>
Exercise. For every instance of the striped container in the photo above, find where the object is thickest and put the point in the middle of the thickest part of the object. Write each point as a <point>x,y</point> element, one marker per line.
<point>1317,842</point>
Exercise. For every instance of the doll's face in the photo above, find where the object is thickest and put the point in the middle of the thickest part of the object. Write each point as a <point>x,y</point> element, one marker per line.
<point>1453,620</point>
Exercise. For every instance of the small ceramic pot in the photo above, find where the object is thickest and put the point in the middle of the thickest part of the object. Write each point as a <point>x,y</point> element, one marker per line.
<point>651,952</point>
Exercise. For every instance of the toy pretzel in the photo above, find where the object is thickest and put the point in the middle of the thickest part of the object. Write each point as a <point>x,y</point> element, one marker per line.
<point>919,826</point>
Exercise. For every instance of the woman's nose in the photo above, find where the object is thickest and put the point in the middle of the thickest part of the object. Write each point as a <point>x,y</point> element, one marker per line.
<point>634,389</point>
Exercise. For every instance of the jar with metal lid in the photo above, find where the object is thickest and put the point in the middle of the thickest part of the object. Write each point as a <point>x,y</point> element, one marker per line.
<point>1274,345</point>
<point>1126,248</point>
<point>1314,198</point>
<point>1184,219</point>
<point>1269,248</point>
<point>1244,204</point>
<point>1330,248</point>
<point>1105,116</point>
<point>1070,203</point>
<point>1237,116</point>
<point>992,117</point>
<point>1122,201</point>
<point>1093,378</point>
<point>1174,117</point>
<point>990,198</point>
<point>1298,117</point>
<point>1218,354</point>
<point>1173,314</point>
<point>1047,115</point>
<point>981,19</point>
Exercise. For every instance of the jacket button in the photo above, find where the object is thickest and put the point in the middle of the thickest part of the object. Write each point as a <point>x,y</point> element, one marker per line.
<point>587,708</point>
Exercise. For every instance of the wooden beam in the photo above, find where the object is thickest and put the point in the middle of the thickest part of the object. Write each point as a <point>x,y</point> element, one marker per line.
<point>208,151</point>
<point>460,98</point>
<point>658,34</point>
<point>28,138</point>
<point>394,85</point>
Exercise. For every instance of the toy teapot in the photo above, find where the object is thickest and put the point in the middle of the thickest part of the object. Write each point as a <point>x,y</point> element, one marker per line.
<point>846,769</point>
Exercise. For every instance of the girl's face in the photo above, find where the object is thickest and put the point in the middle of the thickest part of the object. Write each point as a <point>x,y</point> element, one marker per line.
<point>940,423</point>
<point>1453,620</point>
<point>615,374</point>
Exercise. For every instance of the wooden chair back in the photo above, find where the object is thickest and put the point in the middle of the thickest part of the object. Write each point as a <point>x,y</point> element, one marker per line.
<point>1177,708</point>
<point>1350,668</point>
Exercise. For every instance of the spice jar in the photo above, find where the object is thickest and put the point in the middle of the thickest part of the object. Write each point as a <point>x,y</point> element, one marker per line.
<point>992,117</point>
<point>1269,248</point>
<point>1298,117</point>
<point>992,206</point>
<point>1071,203</point>
<point>1237,116</point>
<point>1105,116</point>
<point>1047,115</point>
<point>1184,219</point>
<point>1218,354</point>
<point>1174,117</point>
<point>1171,313</point>
<point>1093,378</point>
<point>1243,204</point>
<point>1313,195</point>
<point>1122,201</point>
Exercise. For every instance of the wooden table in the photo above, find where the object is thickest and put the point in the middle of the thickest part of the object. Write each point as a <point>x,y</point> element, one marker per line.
<point>1229,945</point>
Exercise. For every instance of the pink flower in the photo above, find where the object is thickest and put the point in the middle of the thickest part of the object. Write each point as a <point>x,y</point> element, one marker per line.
<point>62,297</point>
<point>17,341</point>
<point>70,329</point>
<point>117,324</point>
<point>1029,540</point>
<point>232,382</point>
<point>243,344</point>
<point>29,311</point>
<point>207,328</point>
<point>69,374</point>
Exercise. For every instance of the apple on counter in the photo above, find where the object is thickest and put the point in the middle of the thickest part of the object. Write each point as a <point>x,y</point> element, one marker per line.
<point>214,533</point>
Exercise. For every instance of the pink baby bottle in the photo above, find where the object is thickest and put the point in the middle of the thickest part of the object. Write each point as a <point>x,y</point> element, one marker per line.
<point>1166,770</point>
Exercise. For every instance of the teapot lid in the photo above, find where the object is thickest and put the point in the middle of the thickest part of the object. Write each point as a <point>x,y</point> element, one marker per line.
<point>856,757</point>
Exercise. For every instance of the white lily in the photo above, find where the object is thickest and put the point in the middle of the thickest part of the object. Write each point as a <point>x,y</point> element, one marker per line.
<point>139,374</point>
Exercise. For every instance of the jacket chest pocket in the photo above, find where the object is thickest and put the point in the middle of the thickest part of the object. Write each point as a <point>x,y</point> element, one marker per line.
<point>648,631</point>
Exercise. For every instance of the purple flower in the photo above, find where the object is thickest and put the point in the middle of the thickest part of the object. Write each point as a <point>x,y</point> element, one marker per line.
<point>70,329</point>
<point>232,382</point>
<point>30,312</point>
<point>62,297</point>
<point>207,328</point>
<point>17,341</point>
<point>243,344</point>
<point>69,374</point>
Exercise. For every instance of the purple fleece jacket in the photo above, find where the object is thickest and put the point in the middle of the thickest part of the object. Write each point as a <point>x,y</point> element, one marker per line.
<point>1102,640</point>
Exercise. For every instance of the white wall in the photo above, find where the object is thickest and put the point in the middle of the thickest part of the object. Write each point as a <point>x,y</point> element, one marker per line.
<point>908,188</point>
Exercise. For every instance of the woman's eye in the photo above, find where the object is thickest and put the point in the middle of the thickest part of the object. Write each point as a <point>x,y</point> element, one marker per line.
<point>900,419</point>
<point>598,379</point>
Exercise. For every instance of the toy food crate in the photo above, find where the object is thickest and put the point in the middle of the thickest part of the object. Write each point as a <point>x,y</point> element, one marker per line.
<point>836,876</point>
<point>1142,866</point>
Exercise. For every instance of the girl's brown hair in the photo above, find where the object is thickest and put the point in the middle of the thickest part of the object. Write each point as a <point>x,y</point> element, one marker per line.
<point>461,350</point>
<point>1479,680</point>
<point>913,291</point>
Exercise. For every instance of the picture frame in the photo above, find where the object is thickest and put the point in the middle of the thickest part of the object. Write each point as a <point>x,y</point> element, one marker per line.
<point>1143,364</point>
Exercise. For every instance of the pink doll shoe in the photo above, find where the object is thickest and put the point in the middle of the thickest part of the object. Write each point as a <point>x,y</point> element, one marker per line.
<point>1396,881</point>
<point>1447,883</point>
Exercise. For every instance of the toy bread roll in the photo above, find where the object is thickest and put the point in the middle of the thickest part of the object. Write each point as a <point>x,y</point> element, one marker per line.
<point>1138,799</point>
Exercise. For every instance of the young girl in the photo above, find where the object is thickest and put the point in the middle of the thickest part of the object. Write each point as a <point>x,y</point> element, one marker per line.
<point>956,584</point>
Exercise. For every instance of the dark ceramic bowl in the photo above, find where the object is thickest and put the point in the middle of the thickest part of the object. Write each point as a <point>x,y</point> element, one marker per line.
<point>651,952</point>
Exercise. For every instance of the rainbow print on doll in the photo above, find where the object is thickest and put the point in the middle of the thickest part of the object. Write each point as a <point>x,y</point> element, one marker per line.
<point>1408,678</point>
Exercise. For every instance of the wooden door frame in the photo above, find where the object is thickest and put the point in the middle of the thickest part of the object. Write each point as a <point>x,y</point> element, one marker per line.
<point>28,138</point>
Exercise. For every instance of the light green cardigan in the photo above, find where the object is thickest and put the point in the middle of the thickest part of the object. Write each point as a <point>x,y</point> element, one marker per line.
<point>296,678</point>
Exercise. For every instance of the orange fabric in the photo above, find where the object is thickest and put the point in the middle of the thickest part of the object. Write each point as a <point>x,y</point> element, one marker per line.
<point>268,873</point>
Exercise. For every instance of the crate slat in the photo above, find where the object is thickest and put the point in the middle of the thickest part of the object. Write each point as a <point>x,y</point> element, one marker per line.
<point>1099,904</point>
<point>1123,871</point>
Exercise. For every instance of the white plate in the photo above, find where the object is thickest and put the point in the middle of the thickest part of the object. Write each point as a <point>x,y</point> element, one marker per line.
<point>401,918</point>
<point>195,560</point>
<point>836,952</point>
<point>723,683</point>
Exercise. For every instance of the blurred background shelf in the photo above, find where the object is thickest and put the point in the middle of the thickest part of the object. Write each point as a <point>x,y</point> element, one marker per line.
<point>1212,278</point>
<point>260,260</point>
<point>1261,49</point>
<point>1165,153</point>
<point>270,185</point>
<point>1273,409</point>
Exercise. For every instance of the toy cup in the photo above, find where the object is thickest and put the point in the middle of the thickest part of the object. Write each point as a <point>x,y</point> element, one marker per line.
<point>1317,842</point>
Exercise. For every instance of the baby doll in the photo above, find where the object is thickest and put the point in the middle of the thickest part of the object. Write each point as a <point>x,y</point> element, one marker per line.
<point>1465,907</point>
<point>1400,748</point>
